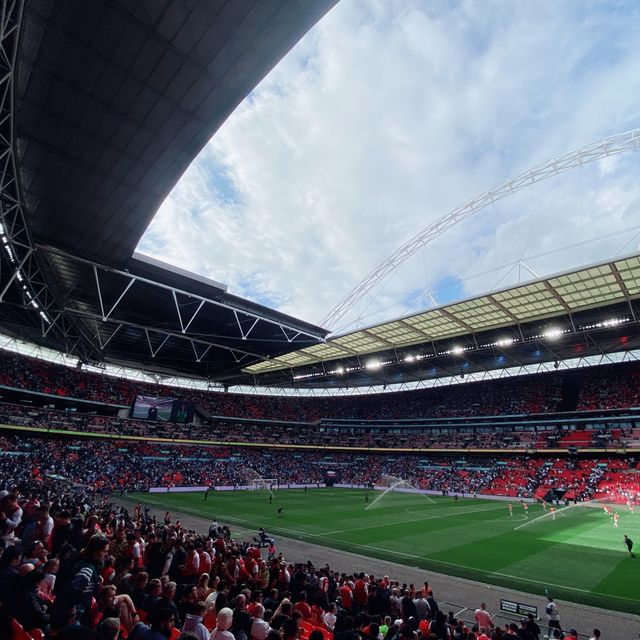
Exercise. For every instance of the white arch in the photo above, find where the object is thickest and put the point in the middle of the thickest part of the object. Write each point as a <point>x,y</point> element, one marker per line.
<point>610,146</point>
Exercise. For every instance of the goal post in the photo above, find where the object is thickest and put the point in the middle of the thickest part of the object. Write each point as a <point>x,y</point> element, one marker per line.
<point>261,484</point>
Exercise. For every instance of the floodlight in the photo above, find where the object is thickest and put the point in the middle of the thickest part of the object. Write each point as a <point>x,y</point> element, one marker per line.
<point>372,365</point>
<point>457,350</point>
<point>340,370</point>
<point>553,333</point>
<point>505,342</point>
<point>409,358</point>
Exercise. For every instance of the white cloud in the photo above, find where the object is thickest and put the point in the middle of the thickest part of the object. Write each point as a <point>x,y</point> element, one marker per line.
<point>387,115</point>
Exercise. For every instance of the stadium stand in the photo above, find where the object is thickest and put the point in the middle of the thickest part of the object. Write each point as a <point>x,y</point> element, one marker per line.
<point>602,388</point>
<point>64,525</point>
<point>57,487</point>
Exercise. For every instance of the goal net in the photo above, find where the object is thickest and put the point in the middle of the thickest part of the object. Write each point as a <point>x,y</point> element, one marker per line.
<point>255,482</point>
<point>261,484</point>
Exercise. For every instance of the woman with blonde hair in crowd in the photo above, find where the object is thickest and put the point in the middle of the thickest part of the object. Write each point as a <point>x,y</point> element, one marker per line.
<point>223,624</point>
<point>202,588</point>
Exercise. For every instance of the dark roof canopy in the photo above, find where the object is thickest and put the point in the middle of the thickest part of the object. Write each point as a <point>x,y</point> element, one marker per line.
<point>105,104</point>
<point>115,98</point>
<point>112,100</point>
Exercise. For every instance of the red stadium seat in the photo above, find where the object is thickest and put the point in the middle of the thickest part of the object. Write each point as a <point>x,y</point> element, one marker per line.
<point>18,631</point>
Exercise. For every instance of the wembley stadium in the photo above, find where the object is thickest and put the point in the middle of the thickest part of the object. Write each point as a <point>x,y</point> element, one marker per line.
<point>180,461</point>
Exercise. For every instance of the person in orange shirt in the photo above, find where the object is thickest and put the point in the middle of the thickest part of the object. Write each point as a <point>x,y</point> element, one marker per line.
<point>303,606</point>
<point>204,557</point>
<point>346,595</point>
<point>483,618</point>
<point>361,591</point>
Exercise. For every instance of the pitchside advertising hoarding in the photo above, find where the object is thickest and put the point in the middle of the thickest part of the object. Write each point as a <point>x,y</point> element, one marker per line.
<point>518,608</point>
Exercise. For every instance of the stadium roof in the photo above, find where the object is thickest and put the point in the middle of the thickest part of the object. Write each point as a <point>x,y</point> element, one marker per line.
<point>105,103</point>
<point>116,98</point>
<point>510,318</point>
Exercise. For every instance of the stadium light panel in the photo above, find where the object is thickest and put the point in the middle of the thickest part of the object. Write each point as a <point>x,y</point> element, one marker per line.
<point>373,365</point>
<point>457,350</point>
<point>553,333</point>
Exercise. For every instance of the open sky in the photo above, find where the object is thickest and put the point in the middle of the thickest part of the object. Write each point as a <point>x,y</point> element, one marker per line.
<point>387,115</point>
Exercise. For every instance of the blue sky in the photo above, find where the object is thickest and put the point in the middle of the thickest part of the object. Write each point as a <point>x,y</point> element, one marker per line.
<point>390,113</point>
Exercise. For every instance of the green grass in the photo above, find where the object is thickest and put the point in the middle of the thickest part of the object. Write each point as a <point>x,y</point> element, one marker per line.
<point>579,557</point>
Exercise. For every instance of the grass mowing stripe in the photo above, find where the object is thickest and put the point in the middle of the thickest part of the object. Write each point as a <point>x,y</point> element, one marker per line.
<point>397,522</point>
<point>231,519</point>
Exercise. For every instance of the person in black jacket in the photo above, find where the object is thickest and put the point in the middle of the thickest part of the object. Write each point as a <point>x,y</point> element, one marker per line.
<point>84,584</point>
<point>26,605</point>
<point>9,563</point>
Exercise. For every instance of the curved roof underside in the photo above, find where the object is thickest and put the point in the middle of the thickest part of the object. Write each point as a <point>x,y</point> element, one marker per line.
<point>581,312</point>
<point>103,105</point>
<point>110,101</point>
<point>116,98</point>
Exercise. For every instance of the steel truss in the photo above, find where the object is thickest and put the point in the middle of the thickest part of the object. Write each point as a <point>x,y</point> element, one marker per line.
<point>109,321</point>
<point>19,260</point>
<point>613,145</point>
<point>23,265</point>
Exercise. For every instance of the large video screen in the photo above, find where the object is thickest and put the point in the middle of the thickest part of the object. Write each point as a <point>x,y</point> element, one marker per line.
<point>162,409</point>
<point>150,408</point>
<point>182,411</point>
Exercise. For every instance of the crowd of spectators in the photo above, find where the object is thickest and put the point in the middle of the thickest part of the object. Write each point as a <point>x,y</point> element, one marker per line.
<point>603,387</point>
<point>615,387</point>
<point>414,437</point>
<point>117,466</point>
<point>75,566</point>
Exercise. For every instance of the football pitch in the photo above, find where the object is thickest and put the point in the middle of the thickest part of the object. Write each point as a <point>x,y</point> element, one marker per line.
<point>579,556</point>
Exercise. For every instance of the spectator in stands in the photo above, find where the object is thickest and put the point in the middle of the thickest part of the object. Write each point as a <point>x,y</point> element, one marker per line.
<point>193,622</point>
<point>9,562</point>
<point>108,629</point>
<point>26,604</point>
<point>83,585</point>
<point>10,518</point>
<point>161,622</point>
<point>259,628</point>
<point>223,626</point>
<point>483,618</point>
